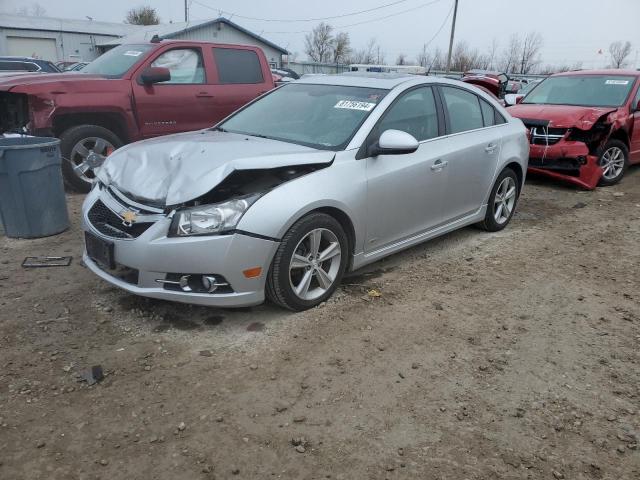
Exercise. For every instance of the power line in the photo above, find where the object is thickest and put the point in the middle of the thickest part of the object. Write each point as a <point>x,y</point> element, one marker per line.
<point>366,21</point>
<point>300,19</point>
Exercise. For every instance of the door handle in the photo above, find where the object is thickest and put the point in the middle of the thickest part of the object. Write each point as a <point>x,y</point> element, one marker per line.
<point>204,95</point>
<point>490,148</point>
<point>438,165</point>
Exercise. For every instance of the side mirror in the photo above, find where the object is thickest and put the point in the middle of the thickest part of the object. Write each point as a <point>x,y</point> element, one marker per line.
<point>519,98</point>
<point>394,142</point>
<point>153,75</point>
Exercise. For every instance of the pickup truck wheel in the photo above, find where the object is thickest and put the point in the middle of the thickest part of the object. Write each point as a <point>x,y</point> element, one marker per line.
<point>83,149</point>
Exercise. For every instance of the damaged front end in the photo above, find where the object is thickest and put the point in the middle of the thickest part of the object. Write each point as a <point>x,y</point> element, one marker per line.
<point>569,153</point>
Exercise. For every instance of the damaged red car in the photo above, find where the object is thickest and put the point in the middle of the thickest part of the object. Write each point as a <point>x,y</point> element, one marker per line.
<point>584,126</point>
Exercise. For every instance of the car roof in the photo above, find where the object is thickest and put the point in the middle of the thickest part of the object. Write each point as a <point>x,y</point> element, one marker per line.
<point>366,79</point>
<point>611,72</point>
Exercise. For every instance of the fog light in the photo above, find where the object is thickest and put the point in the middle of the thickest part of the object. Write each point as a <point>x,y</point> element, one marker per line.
<point>209,283</point>
<point>252,272</point>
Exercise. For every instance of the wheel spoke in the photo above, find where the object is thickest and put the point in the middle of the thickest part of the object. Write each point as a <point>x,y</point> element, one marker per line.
<point>331,251</point>
<point>303,286</point>
<point>81,168</point>
<point>510,193</point>
<point>498,214</point>
<point>324,280</point>
<point>507,207</point>
<point>314,242</point>
<point>299,262</point>
<point>81,150</point>
<point>100,146</point>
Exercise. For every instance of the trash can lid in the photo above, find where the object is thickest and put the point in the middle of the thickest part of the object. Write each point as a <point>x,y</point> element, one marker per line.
<point>17,143</point>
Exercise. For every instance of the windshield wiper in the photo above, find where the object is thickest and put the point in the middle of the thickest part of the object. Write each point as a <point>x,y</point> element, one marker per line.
<point>219,129</point>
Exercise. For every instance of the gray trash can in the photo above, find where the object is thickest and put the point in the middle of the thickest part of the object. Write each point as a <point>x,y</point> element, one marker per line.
<point>32,201</point>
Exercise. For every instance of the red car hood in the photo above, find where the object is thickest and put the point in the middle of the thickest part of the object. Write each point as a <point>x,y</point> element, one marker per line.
<point>18,79</point>
<point>561,116</point>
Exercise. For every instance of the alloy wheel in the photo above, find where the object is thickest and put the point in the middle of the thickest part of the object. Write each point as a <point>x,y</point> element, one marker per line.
<point>89,154</point>
<point>315,264</point>
<point>505,200</point>
<point>612,163</point>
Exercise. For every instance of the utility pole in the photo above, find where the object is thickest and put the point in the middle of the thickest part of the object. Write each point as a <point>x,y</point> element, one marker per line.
<point>453,31</point>
<point>186,11</point>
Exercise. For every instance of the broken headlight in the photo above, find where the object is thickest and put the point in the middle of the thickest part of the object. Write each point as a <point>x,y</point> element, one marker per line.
<point>210,219</point>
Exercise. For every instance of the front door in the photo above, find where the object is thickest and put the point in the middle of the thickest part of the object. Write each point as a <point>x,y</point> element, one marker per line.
<point>404,192</point>
<point>180,104</point>
<point>634,151</point>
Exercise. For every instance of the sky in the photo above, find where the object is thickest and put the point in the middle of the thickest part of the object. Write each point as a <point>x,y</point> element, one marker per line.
<point>573,30</point>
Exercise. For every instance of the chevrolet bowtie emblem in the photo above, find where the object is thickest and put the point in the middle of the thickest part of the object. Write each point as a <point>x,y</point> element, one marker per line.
<point>128,217</point>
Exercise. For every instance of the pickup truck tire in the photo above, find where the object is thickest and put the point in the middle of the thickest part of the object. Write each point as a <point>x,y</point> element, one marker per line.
<point>79,153</point>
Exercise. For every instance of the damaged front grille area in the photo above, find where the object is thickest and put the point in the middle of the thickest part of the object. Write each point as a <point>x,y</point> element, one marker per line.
<point>546,136</point>
<point>112,225</point>
<point>566,166</point>
<point>14,112</point>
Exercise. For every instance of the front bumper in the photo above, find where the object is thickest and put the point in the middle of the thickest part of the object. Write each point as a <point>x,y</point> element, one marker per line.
<point>154,257</point>
<point>569,161</point>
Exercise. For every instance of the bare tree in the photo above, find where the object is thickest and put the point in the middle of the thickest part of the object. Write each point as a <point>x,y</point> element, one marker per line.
<point>33,10</point>
<point>319,43</point>
<point>619,52</point>
<point>463,58</point>
<point>424,58</point>
<point>370,54</point>
<point>401,59</point>
<point>142,16</point>
<point>438,62</point>
<point>508,63</point>
<point>492,53</point>
<point>530,52</point>
<point>341,48</point>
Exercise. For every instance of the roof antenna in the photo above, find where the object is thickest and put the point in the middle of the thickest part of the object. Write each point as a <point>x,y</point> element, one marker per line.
<point>155,39</point>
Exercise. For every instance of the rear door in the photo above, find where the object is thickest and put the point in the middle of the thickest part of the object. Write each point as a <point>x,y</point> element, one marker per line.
<point>241,75</point>
<point>180,104</point>
<point>474,138</point>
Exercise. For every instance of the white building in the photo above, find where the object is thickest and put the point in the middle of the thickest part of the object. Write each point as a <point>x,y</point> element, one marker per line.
<point>58,39</point>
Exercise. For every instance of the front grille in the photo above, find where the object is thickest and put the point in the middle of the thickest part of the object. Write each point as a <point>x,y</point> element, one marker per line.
<point>126,274</point>
<point>110,224</point>
<point>546,136</point>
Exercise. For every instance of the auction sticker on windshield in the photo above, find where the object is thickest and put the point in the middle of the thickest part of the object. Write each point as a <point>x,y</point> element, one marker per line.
<point>132,53</point>
<point>354,105</point>
<point>616,82</point>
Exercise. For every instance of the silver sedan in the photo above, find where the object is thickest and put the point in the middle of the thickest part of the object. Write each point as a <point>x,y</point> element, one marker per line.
<point>320,176</point>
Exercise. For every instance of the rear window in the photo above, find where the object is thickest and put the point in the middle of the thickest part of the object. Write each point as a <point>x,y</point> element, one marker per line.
<point>18,66</point>
<point>237,66</point>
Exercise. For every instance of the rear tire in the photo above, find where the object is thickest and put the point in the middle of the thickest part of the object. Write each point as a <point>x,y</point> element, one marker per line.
<point>502,201</point>
<point>614,159</point>
<point>71,142</point>
<point>309,263</point>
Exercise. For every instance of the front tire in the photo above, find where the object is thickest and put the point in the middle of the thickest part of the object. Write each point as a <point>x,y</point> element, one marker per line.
<point>309,263</point>
<point>84,148</point>
<point>502,201</point>
<point>614,159</point>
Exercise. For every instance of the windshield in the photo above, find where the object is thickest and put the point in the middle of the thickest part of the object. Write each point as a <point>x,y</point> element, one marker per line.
<point>318,116</point>
<point>582,90</point>
<point>117,61</point>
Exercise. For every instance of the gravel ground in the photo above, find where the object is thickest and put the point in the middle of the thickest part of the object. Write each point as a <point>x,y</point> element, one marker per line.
<point>487,356</point>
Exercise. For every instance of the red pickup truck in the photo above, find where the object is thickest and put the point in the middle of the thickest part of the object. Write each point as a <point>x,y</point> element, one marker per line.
<point>130,93</point>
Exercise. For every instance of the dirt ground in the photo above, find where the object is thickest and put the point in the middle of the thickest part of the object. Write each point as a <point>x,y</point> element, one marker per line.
<point>487,356</point>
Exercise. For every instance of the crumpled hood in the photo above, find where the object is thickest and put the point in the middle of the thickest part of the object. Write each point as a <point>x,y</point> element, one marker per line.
<point>177,168</point>
<point>561,116</point>
<point>26,82</point>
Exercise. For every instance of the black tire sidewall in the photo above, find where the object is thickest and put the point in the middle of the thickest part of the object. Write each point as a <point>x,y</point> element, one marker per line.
<point>279,289</point>
<point>625,152</point>
<point>490,223</point>
<point>68,139</point>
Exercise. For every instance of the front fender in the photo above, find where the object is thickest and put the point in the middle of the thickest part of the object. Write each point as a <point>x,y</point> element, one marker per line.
<point>342,185</point>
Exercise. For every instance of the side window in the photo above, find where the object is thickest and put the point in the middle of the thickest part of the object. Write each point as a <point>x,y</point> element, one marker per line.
<point>464,109</point>
<point>237,66</point>
<point>488,113</point>
<point>499,119</point>
<point>415,113</point>
<point>185,65</point>
<point>636,103</point>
